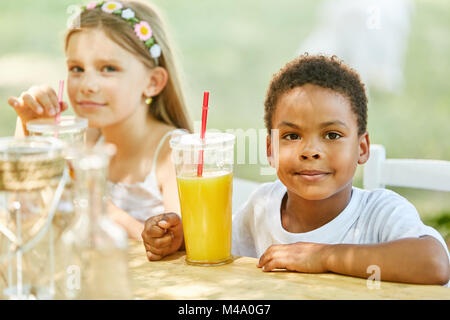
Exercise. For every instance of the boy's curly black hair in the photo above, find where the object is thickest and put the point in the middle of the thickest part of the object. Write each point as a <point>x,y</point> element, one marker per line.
<point>323,71</point>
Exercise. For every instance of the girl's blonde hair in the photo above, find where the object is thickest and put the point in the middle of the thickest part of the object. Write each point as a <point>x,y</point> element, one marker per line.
<point>169,106</point>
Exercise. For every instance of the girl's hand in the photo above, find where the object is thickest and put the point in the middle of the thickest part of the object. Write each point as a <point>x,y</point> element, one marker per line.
<point>162,235</point>
<point>37,102</point>
<point>300,257</point>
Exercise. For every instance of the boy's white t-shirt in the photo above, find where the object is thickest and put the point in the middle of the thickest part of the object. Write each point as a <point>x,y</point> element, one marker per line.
<point>370,217</point>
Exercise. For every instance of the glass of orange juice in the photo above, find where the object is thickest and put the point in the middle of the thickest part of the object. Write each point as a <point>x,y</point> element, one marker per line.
<point>205,195</point>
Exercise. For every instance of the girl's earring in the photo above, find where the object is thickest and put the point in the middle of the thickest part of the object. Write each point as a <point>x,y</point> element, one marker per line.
<point>149,100</point>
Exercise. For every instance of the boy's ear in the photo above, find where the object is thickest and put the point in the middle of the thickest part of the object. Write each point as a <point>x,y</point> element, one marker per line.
<point>272,148</point>
<point>158,78</point>
<point>269,149</point>
<point>364,148</point>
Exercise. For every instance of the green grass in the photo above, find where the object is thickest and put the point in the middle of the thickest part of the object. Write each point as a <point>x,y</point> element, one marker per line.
<point>233,47</point>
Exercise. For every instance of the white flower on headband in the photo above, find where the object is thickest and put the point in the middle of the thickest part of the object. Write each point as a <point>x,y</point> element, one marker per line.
<point>155,51</point>
<point>111,6</point>
<point>127,14</point>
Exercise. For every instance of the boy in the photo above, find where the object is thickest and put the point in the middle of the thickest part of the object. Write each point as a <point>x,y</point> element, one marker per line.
<point>312,219</point>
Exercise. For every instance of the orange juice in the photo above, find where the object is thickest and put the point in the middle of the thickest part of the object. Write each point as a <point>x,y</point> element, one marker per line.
<point>206,214</point>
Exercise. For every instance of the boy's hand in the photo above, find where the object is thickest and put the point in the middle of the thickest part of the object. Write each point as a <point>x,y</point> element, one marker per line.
<point>300,257</point>
<point>162,235</point>
<point>37,102</point>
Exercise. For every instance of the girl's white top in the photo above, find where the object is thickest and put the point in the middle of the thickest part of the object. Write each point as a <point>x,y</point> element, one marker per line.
<point>141,200</point>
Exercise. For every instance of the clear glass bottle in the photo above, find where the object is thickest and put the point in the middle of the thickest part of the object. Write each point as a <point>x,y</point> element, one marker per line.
<point>95,247</point>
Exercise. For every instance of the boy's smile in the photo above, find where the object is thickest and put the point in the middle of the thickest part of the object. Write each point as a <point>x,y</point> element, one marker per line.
<point>312,175</point>
<point>319,146</point>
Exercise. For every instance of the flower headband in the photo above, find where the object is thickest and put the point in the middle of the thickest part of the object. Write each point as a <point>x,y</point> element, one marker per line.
<point>141,28</point>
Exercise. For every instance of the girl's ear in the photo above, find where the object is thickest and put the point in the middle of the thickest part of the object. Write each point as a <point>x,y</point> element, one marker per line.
<point>158,78</point>
<point>364,148</point>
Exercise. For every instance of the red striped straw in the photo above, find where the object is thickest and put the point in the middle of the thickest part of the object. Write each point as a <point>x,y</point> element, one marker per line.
<point>60,96</point>
<point>202,132</point>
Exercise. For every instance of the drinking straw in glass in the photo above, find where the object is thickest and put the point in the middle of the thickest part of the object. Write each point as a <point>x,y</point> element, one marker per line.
<point>202,132</point>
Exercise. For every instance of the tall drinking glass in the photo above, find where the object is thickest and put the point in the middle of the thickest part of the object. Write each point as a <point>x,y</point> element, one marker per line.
<point>205,195</point>
<point>72,131</point>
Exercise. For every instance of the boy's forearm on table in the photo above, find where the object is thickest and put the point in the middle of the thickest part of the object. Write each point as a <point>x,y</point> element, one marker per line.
<point>411,260</point>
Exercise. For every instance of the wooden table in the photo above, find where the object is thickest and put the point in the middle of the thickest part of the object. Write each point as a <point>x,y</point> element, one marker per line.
<point>172,278</point>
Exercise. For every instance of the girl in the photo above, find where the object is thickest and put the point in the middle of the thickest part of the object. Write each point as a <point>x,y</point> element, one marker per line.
<point>122,77</point>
